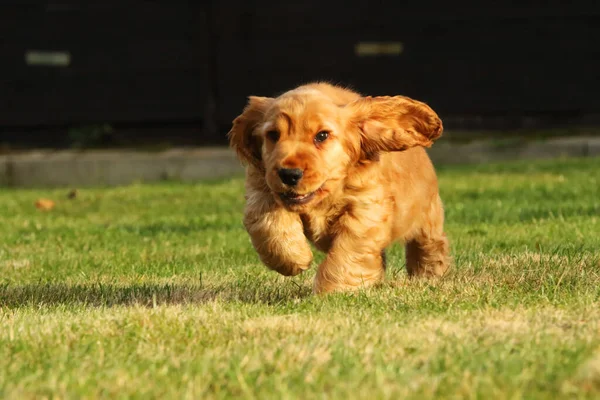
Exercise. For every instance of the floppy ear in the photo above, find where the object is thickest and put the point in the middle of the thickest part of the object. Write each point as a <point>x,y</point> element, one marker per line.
<point>394,123</point>
<point>241,137</point>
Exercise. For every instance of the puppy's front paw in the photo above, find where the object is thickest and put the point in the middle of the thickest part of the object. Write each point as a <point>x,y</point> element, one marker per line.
<point>290,270</point>
<point>290,263</point>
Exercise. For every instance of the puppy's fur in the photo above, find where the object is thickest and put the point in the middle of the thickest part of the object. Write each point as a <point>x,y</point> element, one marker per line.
<point>366,182</point>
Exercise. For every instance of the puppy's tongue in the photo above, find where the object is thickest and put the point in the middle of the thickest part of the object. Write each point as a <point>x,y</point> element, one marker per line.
<point>297,196</point>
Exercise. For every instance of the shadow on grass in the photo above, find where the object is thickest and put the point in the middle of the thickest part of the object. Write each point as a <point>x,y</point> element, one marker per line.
<point>148,295</point>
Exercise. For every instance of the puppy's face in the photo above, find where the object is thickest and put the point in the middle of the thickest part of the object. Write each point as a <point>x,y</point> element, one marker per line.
<point>305,141</point>
<point>305,144</point>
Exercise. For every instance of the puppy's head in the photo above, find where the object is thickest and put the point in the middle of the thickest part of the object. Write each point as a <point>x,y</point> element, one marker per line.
<point>306,140</point>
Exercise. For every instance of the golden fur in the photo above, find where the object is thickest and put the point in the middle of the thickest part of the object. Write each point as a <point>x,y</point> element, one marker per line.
<point>369,183</point>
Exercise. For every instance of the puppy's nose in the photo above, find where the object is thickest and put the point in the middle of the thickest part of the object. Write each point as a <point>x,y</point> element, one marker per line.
<point>290,176</point>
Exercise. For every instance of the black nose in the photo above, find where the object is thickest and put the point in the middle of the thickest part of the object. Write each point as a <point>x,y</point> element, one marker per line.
<point>290,176</point>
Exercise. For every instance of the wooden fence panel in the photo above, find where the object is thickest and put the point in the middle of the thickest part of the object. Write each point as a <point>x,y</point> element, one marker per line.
<point>128,61</point>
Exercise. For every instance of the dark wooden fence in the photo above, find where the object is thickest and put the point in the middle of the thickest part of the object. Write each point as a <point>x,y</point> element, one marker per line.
<point>186,67</point>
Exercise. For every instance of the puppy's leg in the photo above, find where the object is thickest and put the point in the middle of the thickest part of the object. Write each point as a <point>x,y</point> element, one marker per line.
<point>356,258</point>
<point>278,237</point>
<point>428,252</point>
<point>348,271</point>
<point>427,256</point>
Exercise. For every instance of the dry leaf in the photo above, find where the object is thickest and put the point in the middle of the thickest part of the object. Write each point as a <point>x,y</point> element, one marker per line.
<point>44,204</point>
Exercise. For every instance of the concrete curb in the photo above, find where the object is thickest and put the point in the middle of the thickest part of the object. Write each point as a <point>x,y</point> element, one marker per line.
<point>491,151</point>
<point>112,168</point>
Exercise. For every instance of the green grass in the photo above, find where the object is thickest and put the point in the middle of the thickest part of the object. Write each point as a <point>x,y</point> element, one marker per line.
<point>154,291</point>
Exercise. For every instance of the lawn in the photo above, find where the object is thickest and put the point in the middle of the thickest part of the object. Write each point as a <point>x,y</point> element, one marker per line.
<point>154,291</point>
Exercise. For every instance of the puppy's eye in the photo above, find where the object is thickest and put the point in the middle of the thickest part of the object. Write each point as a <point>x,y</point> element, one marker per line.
<point>273,136</point>
<point>321,136</point>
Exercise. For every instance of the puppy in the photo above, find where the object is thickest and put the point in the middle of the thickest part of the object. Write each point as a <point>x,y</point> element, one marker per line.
<point>348,173</point>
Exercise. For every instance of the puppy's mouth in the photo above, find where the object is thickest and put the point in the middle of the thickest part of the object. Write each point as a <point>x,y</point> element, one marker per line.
<point>295,198</point>
<point>292,198</point>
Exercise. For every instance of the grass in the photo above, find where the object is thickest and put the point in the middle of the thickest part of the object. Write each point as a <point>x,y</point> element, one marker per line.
<point>153,291</point>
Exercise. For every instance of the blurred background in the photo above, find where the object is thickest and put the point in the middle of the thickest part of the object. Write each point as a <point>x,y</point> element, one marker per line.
<point>172,73</point>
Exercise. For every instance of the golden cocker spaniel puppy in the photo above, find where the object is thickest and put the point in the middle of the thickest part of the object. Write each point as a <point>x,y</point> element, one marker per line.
<point>348,173</point>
